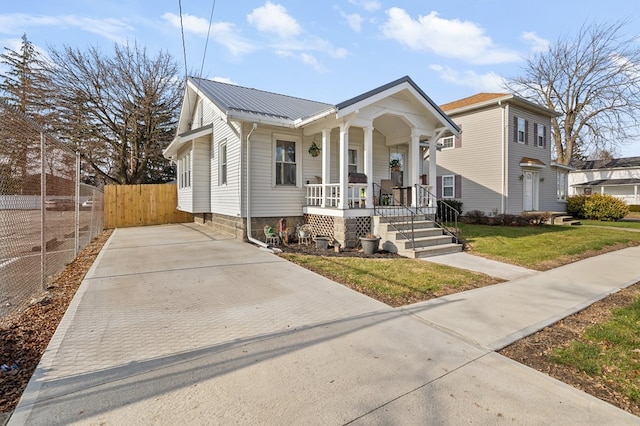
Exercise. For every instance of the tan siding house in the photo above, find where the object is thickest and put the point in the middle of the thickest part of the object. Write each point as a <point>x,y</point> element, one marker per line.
<point>502,161</point>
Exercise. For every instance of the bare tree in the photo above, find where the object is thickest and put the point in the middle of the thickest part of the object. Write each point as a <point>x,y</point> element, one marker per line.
<point>593,80</point>
<point>118,111</point>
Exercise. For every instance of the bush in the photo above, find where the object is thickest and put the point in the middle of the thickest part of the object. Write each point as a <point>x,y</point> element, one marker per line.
<point>444,213</point>
<point>634,208</point>
<point>605,207</point>
<point>475,217</point>
<point>575,205</point>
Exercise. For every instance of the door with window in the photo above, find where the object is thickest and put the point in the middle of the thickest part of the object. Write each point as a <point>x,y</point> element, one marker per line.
<point>530,190</point>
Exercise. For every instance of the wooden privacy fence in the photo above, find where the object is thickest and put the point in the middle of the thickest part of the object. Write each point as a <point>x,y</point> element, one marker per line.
<point>140,205</point>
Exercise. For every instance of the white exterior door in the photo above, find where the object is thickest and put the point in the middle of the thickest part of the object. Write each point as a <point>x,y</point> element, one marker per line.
<point>530,190</point>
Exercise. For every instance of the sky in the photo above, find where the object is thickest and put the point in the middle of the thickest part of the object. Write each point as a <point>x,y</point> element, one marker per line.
<point>327,51</point>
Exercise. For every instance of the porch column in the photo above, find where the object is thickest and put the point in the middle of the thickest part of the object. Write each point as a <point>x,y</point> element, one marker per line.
<point>326,165</point>
<point>433,170</point>
<point>344,166</point>
<point>368,164</point>
<point>414,165</point>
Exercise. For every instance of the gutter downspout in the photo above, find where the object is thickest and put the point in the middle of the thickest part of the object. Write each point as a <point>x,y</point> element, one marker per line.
<point>249,237</point>
<point>504,177</point>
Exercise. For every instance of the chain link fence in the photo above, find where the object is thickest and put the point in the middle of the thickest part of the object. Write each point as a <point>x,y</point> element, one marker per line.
<point>46,214</point>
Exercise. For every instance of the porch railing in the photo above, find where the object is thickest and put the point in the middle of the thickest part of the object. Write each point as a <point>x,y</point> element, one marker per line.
<point>394,213</point>
<point>330,193</point>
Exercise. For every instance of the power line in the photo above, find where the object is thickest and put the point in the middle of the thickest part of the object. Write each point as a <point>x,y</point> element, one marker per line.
<point>206,44</point>
<point>184,46</point>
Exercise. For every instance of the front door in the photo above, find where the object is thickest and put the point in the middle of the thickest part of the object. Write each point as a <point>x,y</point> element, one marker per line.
<point>530,190</point>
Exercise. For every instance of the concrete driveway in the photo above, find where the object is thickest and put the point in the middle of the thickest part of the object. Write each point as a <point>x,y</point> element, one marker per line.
<point>177,325</point>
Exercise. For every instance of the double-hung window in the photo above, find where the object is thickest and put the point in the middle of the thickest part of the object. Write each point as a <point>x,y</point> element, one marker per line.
<point>448,186</point>
<point>286,166</point>
<point>223,164</point>
<point>353,161</point>
<point>541,133</point>
<point>184,169</point>
<point>448,142</point>
<point>522,130</point>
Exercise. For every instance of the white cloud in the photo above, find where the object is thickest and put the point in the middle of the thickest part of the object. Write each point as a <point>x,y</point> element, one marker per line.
<point>445,37</point>
<point>313,62</point>
<point>538,44</point>
<point>225,80</point>
<point>223,33</point>
<point>368,5</point>
<point>273,18</point>
<point>489,82</point>
<point>354,21</point>
<point>112,29</point>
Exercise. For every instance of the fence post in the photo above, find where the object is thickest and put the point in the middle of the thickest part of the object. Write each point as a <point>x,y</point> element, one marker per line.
<point>76,243</point>
<point>43,194</point>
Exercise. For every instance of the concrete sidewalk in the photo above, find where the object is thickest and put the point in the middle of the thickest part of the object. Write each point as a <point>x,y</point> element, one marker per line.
<point>177,325</point>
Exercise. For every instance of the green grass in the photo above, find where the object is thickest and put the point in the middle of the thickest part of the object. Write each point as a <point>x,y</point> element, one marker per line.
<point>394,281</point>
<point>542,247</point>
<point>630,225</point>
<point>610,350</point>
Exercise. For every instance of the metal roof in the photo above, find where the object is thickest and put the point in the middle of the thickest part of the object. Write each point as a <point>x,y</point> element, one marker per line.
<point>608,164</point>
<point>229,98</point>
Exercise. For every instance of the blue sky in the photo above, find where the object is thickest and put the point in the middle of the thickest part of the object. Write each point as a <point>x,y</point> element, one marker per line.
<point>327,51</point>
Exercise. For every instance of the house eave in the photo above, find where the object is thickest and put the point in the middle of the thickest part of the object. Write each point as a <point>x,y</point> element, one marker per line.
<point>260,119</point>
<point>181,139</point>
<point>508,98</point>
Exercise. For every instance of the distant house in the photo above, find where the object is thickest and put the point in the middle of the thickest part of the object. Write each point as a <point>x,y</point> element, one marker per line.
<point>247,158</point>
<point>619,177</point>
<point>501,162</point>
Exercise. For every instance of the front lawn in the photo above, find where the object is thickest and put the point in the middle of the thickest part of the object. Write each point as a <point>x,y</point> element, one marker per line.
<point>395,281</point>
<point>620,224</point>
<point>543,247</point>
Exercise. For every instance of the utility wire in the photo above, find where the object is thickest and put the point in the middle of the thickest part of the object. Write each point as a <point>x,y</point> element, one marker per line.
<point>206,44</point>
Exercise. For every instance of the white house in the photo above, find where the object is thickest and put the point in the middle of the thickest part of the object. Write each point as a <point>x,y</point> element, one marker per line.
<point>247,158</point>
<point>501,163</point>
<point>619,177</point>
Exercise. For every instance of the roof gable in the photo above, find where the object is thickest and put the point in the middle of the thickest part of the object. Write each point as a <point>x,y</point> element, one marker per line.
<point>482,100</point>
<point>472,100</point>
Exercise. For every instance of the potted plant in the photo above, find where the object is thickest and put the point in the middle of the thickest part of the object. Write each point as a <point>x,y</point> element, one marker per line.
<point>314,149</point>
<point>370,243</point>
<point>394,165</point>
<point>322,242</point>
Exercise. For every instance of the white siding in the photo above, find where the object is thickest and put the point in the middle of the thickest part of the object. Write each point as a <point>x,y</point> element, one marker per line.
<point>185,199</point>
<point>201,176</point>
<point>226,198</point>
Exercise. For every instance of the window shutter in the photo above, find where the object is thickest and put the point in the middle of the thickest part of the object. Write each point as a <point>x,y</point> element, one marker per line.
<point>439,187</point>
<point>458,141</point>
<point>535,134</point>
<point>526,132</point>
<point>544,137</point>
<point>515,129</point>
<point>457,192</point>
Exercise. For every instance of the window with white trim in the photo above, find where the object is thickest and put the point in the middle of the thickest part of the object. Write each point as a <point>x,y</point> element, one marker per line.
<point>448,186</point>
<point>562,185</point>
<point>540,135</point>
<point>353,161</point>
<point>522,129</point>
<point>184,170</point>
<point>447,142</point>
<point>223,163</point>
<point>286,166</point>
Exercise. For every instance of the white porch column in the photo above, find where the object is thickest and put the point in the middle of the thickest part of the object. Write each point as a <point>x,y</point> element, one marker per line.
<point>635,195</point>
<point>414,165</point>
<point>326,164</point>
<point>433,169</point>
<point>344,166</point>
<point>368,164</point>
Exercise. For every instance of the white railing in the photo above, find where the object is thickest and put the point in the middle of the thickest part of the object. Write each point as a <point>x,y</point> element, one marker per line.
<point>330,192</point>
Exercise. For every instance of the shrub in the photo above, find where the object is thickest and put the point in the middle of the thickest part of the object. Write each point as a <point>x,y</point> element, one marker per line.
<point>444,213</point>
<point>634,208</point>
<point>575,205</point>
<point>475,217</point>
<point>605,207</point>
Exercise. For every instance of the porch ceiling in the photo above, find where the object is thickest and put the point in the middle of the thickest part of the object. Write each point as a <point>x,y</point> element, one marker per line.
<point>393,128</point>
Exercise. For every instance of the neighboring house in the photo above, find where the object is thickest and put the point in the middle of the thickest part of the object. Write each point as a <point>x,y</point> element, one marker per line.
<point>619,177</point>
<point>247,158</point>
<point>501,162</point>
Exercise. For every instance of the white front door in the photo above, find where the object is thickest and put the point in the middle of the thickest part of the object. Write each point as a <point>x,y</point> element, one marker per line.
<point>530,191</point>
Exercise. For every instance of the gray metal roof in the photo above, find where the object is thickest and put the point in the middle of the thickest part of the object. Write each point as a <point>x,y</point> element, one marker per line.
<point>229,97</point>
<point>614,163</point>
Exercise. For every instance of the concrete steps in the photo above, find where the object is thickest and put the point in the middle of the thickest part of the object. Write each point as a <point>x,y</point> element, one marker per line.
<point>428,239</point>
<point>565,220</point>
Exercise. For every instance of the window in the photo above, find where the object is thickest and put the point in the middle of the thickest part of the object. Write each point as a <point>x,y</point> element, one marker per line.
<point>223,164</point>
<point>521,136</point>
<point>286,163</point>
<point>448,187</point>
<point>561,185</point>
<point>541,135</point>
<point>353,161</point>
<point>447,142</point>
<point>184,171</point>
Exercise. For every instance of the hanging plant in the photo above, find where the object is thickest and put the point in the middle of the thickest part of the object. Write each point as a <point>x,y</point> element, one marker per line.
<point>394,164</point>
<point>314,149</point>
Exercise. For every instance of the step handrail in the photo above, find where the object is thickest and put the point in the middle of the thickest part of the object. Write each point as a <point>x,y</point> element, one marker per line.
<point>379,210</point>
<point>437,209</point>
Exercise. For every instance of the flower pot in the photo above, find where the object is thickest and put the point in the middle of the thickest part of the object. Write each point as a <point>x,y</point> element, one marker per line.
<point>322,242</point>
<point>370,245</point>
